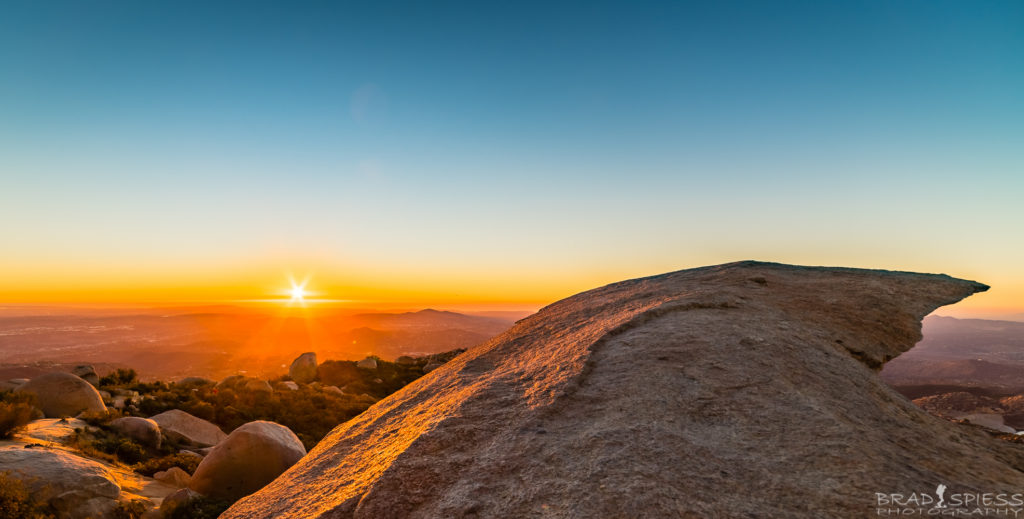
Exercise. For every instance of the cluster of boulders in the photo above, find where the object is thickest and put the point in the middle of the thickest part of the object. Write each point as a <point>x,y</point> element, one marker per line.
<point>232,465</point>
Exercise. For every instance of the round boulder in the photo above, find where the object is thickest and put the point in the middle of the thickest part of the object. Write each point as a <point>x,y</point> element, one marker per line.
<point>174,476</point>
<point>367,363</point>
<point>63,394</point>
<point>177,499</point>
<point>87,373</point>
<point>230,382</point>
<point>195,382</point>
<point>142,430</point>
<point>178,424</point>
<point>303,368</point>
<point>251,456</point>
<point>258,386</point>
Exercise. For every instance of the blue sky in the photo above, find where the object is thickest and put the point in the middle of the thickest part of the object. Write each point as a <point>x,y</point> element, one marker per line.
<point>548,147</point>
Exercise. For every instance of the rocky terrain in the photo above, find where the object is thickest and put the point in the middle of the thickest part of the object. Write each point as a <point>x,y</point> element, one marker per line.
<point>740,390</point>
<point>136,451</point>
<point>965,369</point>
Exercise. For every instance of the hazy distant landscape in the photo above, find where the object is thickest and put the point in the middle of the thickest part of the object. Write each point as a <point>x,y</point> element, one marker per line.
<point>213,342</point>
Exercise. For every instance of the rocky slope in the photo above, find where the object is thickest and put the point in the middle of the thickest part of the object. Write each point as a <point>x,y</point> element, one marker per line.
<point>740,390</point>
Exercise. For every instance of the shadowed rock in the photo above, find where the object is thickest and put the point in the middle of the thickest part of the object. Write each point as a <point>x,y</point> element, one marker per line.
<point>251,456</point>
<point>739,390</point>
<point>87,373</point>
<point>303,368</point>
<point>73,486</point>
<point>142,430</point>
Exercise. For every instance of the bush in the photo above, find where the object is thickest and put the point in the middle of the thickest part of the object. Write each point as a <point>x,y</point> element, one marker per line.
<point>120,377</point>
<point>101,418</point>
<point>186,462</point>
<point>13,417</point>
<point>200,508</point>
<point>125,449</point>
<point>130,509</point>
<point>17,503</point>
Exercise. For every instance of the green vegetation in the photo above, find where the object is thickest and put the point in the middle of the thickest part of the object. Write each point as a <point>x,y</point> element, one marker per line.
<point>16,502</point>
<point>310,411</point>
<point>130,509</point>
<point>186,462</point>
<point>16,411</point>
<point>120,377</point>
<point>201,508</point>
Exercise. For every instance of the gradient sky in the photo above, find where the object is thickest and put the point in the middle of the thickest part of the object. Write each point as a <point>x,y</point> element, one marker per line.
<point>517,153</point>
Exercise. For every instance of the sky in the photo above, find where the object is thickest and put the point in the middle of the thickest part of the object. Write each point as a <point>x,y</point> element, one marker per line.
<point>508,154</point>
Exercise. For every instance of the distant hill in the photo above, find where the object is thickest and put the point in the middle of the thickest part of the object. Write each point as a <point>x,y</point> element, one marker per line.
<point>214,341</point>
<point>973,352</point>
<point>431,319</point>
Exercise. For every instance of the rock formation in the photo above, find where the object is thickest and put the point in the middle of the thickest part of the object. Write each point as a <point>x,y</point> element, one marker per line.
<point>195,381</point>
<point>182,426</point>
<point>142,430</point>
<point>75,487</point>
<point>303,368</point>
<point>740,390</point>
<point>258,386</point>
<point>54,430</point>
<point>63,394</point>
<point>251,456</point>
<point>174,476</point>
<point>87,373</point>
<point>367,363</point>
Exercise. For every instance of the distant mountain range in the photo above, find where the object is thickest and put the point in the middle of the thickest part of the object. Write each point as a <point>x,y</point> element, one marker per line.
<point>214,341</point>
<point>971,352</point>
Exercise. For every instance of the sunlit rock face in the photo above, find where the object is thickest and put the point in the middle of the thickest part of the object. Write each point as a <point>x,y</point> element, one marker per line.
<point>740,390</point>
<point>63,394</point>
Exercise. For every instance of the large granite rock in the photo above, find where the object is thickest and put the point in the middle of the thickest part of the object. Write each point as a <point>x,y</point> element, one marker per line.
<point>303,368</point>
<point>251,456</point>
<point>143,430</point>
<point>367,363</point>
<point>73,486</point>
<point>56,430</point>
<point>179,425</point>
<point>63,394</point>
<point>740,390</point>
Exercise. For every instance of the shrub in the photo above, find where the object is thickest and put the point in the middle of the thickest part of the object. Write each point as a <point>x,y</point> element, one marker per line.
<point>186,462</point>
<point>17,503</point>
<point>129,510</point>
<point>13,417</point>
<point>100,418</point>
<point>200,508</point>
<point>126,450</point>
<point>120,377</point>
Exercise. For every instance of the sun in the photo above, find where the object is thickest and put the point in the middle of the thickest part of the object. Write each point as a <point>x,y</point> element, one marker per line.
<point>298,292</point>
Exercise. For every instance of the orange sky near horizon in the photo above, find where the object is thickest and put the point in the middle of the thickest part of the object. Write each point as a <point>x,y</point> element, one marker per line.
<point>416,287</point>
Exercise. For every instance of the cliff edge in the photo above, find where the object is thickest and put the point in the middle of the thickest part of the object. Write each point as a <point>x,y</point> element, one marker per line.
<point>745,389</point>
